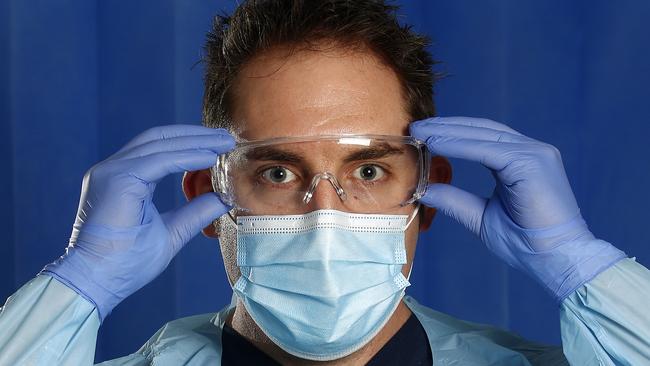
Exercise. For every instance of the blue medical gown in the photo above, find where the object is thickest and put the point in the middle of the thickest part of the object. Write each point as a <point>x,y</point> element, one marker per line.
<point>605,322</point>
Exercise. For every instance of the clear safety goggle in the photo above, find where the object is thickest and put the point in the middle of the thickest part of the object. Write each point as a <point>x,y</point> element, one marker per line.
<point>296,175</point>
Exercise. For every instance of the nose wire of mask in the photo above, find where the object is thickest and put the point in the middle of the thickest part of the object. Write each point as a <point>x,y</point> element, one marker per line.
<point>323,284</point>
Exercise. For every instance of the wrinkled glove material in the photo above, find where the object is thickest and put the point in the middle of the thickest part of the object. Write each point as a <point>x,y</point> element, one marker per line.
<point>120,242</point>
<point>532,220</point>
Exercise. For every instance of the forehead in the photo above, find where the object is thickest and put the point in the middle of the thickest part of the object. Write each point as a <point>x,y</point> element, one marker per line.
<point>313,92</point>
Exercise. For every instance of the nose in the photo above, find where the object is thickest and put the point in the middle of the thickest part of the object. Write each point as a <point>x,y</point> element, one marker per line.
<point>328,196</point>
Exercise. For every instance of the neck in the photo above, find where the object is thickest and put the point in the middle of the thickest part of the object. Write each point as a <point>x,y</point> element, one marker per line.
<point>243,324</point>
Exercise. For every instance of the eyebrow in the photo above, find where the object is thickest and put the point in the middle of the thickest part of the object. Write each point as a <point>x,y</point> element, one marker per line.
<point>268,153</point>
<point>374,152</point>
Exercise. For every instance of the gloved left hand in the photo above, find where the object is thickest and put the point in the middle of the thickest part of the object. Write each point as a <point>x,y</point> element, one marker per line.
<point>120,242</point>
<point>532,220</point>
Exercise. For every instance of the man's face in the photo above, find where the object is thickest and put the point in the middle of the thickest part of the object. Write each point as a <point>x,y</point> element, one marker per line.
<point>317,92</point>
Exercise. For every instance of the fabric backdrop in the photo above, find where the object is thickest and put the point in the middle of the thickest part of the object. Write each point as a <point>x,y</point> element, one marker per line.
<point>78,79</point>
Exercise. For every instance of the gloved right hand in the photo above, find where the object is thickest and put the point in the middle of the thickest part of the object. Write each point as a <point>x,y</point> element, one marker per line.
<point>119,241</point>
<point>532,220</point>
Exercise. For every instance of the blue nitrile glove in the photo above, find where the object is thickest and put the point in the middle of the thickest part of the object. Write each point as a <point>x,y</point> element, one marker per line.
<point>119,241</point>
<point>532,220</point>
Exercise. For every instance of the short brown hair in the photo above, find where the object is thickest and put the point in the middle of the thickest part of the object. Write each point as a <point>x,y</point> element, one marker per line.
<point>257,25</point>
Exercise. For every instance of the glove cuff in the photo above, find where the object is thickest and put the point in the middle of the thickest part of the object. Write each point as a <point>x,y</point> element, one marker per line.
<point>76,275</point>
<point>561,258</point>
<point>49,271</point>
<point>589,260</point>
<point>83,273</point>
<point>566,256</point>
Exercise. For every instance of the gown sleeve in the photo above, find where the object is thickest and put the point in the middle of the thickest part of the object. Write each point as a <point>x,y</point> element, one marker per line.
<point>46,323</point>
<point>607,320</point>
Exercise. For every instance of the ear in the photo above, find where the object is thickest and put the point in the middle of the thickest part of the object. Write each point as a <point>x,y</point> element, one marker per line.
<point>440,173</point>
<point>194,184</point>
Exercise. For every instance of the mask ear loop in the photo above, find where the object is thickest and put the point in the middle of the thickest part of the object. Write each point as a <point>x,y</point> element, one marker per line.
<point>415,213</point>
<point>410,220</point>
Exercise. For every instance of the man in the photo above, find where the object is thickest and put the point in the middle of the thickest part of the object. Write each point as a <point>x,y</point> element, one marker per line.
<point>318,210</point>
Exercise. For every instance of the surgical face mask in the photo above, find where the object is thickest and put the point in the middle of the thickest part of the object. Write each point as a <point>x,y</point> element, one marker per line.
<point>321,285</point>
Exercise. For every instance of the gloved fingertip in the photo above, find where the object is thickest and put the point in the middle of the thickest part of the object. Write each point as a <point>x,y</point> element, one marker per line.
<point>429,196</point>
<point>222,132</point>
<point>227,206</point>
<point>187,221</point>
<point>462,206</point>
<point>425,121</point>
<point>417,129</point>
<point>210,204</point>
<point>226,143</point>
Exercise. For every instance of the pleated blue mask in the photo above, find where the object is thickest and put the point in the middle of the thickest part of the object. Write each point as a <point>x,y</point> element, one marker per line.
<point>323,284</point>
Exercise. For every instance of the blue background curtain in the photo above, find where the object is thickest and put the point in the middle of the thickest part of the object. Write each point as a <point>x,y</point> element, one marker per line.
<point>78,79</point>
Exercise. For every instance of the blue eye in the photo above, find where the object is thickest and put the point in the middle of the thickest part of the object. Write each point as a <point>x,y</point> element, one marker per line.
<point>278,175</point>
<point>369,172</point>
